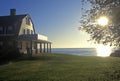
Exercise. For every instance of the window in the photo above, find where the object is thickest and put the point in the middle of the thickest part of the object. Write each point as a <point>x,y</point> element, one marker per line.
<point>27,45</point>
<point>23,31</point>
<point>28,31</point>
<point>20,45</point>
<point>10,43</point>
<point>1,28</point>
<point>10,28</point>
<point>31,31</point>
<point>1,43</point>
<point>27,21</point>
<point>35,45</point>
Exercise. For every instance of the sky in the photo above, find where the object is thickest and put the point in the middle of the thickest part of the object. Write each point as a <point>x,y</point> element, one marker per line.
<point>56,19</point>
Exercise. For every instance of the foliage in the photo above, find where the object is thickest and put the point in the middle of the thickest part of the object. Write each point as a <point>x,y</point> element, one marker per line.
<point>60,67</point>
<point>109,34</point>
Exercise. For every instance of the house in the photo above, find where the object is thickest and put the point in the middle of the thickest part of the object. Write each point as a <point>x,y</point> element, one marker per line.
<point>18,31</point>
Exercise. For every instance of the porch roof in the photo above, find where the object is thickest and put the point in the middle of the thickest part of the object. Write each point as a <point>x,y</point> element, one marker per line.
<point>32,37</point>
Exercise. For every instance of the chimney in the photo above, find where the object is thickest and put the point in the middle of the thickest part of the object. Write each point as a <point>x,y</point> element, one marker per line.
<point>12,12</point>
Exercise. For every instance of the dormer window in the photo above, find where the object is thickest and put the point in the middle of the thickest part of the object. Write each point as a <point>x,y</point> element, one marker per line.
<point>27,21</point>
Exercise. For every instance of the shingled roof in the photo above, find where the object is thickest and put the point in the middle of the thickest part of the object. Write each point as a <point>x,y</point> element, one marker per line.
<point>10,20</point>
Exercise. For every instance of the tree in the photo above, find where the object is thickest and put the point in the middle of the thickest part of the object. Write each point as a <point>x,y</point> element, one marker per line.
<point>105,34</point>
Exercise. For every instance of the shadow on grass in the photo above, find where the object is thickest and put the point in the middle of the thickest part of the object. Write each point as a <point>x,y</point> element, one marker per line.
<point>41,57</point>
<point>2,62</point>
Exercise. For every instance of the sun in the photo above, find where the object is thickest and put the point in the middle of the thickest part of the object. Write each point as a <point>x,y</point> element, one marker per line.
<point>103,51</point>
<point>103,21</point>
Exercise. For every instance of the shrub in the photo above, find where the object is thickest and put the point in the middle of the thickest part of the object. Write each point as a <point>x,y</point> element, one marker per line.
<point>9,53</point>
<point>116,53</point>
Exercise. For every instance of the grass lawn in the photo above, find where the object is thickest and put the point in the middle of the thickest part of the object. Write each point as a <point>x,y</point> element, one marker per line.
<point>61,67</point>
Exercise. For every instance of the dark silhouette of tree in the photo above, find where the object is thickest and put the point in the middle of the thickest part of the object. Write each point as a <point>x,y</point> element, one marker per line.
<point>107,34</point>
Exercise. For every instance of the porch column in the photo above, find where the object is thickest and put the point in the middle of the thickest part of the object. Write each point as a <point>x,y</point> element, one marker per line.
<point>50,47</point>
<point>36,48</point>
<point>40,47</point>
<point>30,48</point>
<point>44,48</point>
<point>47,47</point>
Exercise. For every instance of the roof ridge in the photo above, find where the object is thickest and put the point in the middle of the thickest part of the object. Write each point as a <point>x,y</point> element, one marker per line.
<point>14,15</point>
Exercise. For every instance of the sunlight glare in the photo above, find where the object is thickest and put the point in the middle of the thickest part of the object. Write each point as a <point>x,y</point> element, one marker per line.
<point>103,51</point>
<point>102,21</point>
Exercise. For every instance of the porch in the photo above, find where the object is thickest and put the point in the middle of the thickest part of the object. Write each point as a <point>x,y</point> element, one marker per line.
<point>34,43</point>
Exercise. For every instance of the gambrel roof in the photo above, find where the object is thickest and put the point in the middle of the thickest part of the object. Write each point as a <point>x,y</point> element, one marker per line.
<point>14,20</point>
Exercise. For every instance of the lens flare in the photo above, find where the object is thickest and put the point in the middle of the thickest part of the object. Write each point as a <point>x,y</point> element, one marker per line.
<point>103,51</point>
<point>102,21</point>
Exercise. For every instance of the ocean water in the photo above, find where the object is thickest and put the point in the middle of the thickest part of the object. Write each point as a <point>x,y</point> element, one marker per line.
<point>76,51</point>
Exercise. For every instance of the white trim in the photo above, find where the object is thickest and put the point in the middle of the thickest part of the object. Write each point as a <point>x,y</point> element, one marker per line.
<point>33,37</point>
